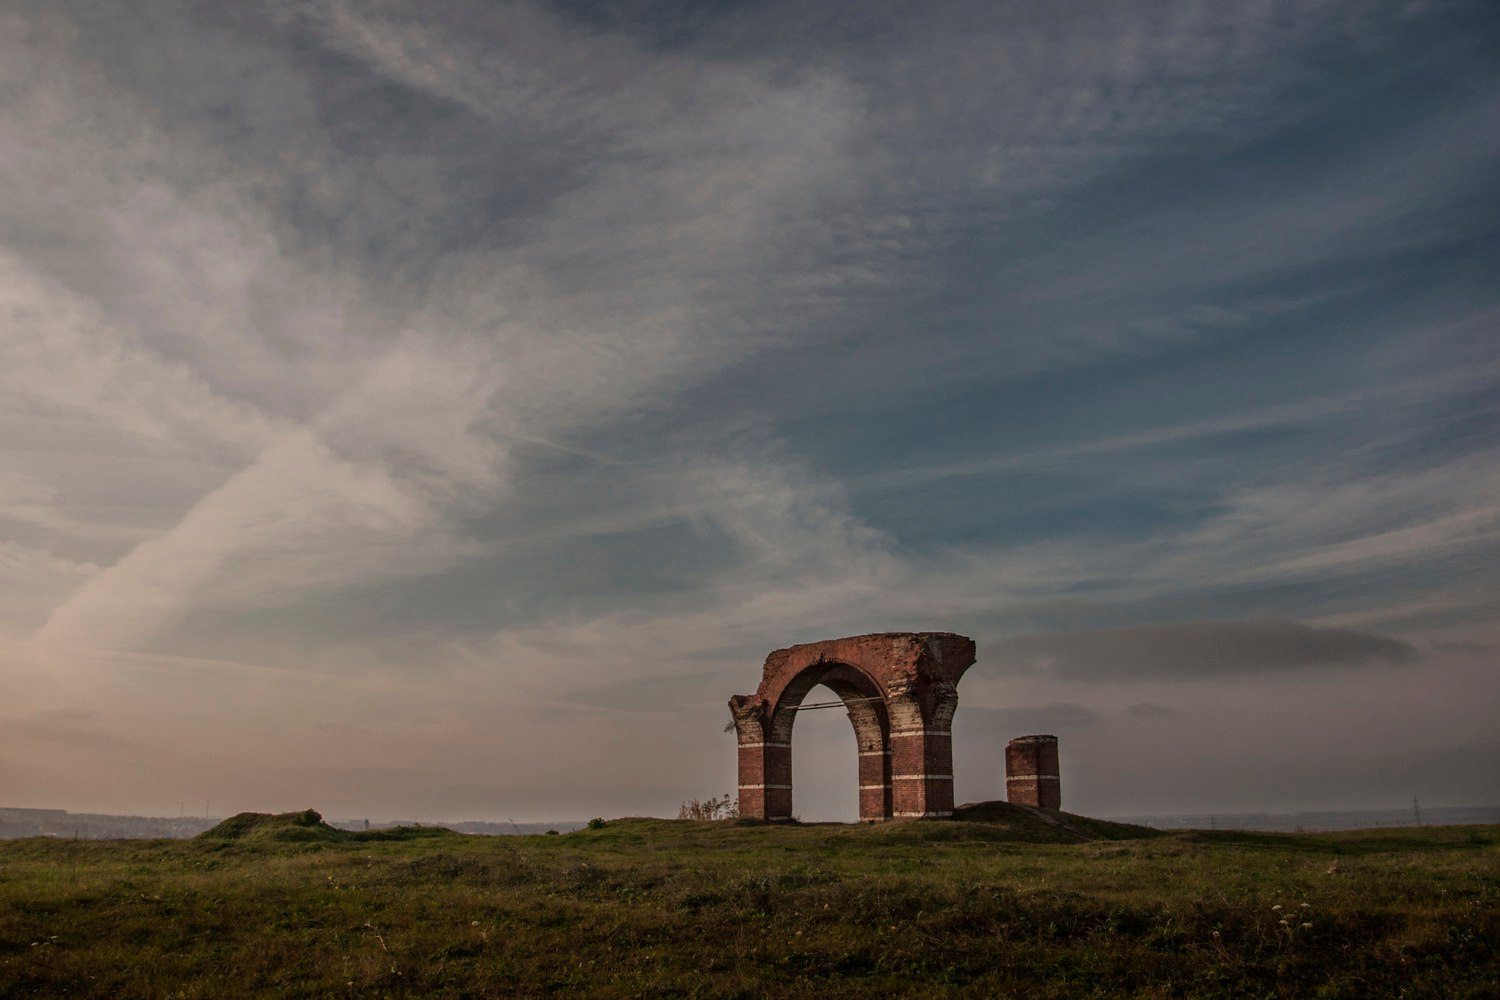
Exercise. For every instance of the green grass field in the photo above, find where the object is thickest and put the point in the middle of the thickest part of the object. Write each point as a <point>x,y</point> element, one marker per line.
<point>1009,906</point>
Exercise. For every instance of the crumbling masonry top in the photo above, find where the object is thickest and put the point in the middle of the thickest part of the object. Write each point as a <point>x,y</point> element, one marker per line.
<point>895,661</point>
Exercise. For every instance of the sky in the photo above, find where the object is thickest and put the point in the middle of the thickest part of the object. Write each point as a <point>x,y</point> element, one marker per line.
<point>438,410</point>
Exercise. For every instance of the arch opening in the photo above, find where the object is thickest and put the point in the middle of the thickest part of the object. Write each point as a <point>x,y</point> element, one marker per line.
<point>863,703</point>
<point>825,762</point>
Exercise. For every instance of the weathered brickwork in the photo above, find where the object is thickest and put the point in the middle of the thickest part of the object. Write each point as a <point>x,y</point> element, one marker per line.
<point>900,690</point>
<point>1031,772</point>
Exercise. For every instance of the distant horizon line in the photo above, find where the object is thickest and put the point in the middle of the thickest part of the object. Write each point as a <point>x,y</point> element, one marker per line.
<point>1405,810</point>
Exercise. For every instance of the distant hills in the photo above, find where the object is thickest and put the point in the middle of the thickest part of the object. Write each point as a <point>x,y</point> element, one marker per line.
<point>16,822</point>
<point>20,822</point>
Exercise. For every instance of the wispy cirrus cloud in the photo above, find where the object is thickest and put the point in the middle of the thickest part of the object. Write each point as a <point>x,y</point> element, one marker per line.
<point>503,360</point>
<point>365,481</point>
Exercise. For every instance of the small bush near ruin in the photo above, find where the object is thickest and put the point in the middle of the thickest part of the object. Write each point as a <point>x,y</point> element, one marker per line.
<point>723,807</point>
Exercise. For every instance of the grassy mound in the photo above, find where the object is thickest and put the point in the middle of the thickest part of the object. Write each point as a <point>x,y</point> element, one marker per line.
<point>307,826</point>
<point>1048,826</point>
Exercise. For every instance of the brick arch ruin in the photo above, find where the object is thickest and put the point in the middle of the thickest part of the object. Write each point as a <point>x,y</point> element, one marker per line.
<point>900,690</point>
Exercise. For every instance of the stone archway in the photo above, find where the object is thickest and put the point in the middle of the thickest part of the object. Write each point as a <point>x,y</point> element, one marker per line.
<point>900,690</point>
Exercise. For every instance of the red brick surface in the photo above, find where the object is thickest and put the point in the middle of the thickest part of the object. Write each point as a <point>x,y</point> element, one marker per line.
<point>1031,772</point>
<point>900,691</point>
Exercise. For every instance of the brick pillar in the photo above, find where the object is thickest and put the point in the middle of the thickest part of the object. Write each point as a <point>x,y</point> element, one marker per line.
<point>1031,772</point>
<point>765,780</point>
<point>765,762</point>
<point>921,773</point>
<point>874,785</point>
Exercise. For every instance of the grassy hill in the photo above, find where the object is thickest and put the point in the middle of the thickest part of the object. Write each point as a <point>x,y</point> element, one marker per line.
<point>1001,902</point>
<point>1044,826</point>
<point>307,827</point>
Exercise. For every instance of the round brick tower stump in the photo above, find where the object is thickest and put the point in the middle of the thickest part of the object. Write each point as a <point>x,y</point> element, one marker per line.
<point>1031,772</point>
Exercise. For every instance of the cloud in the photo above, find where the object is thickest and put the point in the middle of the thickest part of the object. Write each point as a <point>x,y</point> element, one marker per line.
<point>72,729</point>
<point>399,403</point>
<point>1201,649</point>
<point>1465,646</point>
<point>797,562</point>
<point>415,366</point>
<point>1021,720</point>
<point>33,581</point>
<point>661,695</point>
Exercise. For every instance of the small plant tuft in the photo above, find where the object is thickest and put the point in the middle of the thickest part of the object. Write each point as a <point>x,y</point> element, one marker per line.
<point>723,807</point>
<point>596,823</point>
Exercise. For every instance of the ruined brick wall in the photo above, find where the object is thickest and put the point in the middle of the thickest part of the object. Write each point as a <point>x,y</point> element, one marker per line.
<point>1031,772</point>
<point>900,692</point>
